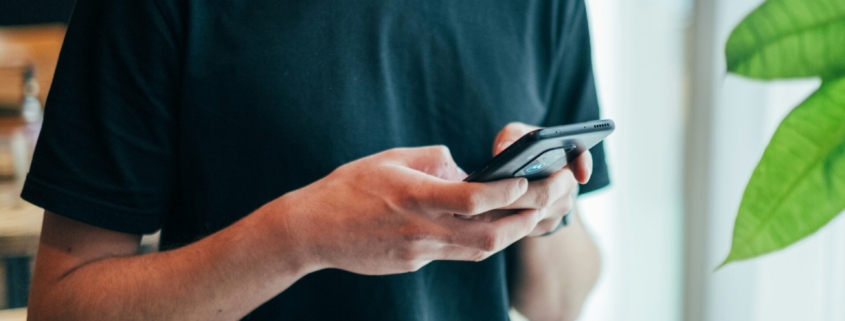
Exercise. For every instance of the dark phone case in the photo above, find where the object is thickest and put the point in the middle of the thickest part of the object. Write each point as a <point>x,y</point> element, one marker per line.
<point>577,137</point>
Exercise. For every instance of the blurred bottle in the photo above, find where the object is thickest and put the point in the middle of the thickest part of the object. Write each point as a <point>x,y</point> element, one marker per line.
<point>30,106</point>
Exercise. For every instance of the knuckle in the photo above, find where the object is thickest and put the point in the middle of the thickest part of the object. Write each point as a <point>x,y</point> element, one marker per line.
<point>406,254</point>
<point>547,226</point>
<point>413,266</point>
<point>406,200</point>
<point>408,266</point>
<point>471,202</point>
<point>543,212</point>
<point>490,242</point>
<point>511,193</point>
<point>543,197</point>
<point>441,151</point>
<point>480,256</point>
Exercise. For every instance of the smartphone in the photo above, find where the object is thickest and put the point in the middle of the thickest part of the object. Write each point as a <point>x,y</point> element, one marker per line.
<point>544,151</point>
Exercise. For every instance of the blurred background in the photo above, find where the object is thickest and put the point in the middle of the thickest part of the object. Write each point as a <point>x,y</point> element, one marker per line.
<point>688,138</point>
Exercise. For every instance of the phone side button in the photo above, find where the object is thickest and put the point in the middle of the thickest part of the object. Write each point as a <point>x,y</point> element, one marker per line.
<point>548,133</point>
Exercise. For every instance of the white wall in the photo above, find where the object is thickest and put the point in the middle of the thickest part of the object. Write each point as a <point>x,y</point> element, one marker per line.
<point>688,139</point>
<point>639,61</point>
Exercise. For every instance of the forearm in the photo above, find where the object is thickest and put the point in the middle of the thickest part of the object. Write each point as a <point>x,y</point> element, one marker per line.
<point>555,273</point>
<point>221,277</point>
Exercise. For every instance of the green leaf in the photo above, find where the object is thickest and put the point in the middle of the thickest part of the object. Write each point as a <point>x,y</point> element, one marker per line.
<point>790,39</point>
<point>799,184</point>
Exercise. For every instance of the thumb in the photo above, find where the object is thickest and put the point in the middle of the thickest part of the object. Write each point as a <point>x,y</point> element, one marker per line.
<point>582,167</point>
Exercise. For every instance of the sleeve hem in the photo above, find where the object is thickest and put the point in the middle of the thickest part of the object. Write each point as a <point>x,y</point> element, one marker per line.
<point>90,211</point>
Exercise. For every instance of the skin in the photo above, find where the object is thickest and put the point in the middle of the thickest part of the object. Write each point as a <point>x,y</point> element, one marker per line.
<point>392,212</point>
<point>556,272</point>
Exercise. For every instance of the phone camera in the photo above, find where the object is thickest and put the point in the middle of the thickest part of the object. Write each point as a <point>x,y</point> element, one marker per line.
<point>533,168</point>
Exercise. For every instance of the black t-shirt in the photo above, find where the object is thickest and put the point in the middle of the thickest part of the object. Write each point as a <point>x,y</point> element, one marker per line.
<point>188,115</point>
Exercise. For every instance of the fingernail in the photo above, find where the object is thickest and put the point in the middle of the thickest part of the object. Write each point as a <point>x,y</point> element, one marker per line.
<point>586,178</point>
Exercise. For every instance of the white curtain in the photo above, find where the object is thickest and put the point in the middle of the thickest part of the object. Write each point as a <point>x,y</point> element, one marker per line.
<point>661,76</point>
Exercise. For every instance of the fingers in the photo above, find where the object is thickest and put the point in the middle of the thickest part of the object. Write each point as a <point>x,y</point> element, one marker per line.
<point>546,226</point>
<point>448,252</point>
<point>442,190</point>
<point>582,167</point>
<point>470,198</point>
<point>431,181</point>
<point>444,252</point>
<point>487,216</point>
<point>545,192</point>
<point>450,238</point>
<point>508,135</point>
<point>472,240</point>
<point>493,236</point>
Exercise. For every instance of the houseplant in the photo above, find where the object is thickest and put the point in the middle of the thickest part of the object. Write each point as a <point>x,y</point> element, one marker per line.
<point>799,184</point>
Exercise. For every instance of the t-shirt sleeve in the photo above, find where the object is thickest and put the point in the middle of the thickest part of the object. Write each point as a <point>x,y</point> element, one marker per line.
<point>106,152</point>
<point>573,96</point>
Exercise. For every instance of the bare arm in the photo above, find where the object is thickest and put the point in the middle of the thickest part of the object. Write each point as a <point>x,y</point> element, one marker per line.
<point>88,273</point>
<point>556,273</point>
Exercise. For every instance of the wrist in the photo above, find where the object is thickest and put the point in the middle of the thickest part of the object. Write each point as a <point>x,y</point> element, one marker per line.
<point>289,232</point>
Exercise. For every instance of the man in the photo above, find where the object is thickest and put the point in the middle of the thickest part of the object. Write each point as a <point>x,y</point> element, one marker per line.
<point>262,138</point>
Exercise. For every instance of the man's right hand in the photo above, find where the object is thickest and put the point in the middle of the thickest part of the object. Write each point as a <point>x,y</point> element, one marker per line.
<point>388,213</point>
<point>393,212</point>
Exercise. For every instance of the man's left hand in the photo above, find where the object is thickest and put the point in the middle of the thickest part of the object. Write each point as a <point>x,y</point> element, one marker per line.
<point>553,196</point>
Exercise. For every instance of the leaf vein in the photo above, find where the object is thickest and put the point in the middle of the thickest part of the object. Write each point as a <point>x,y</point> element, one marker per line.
<point>746,54</point>
<point>817,161</point>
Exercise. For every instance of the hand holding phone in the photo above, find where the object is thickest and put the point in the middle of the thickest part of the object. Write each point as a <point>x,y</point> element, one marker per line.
<point>539,154</point>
